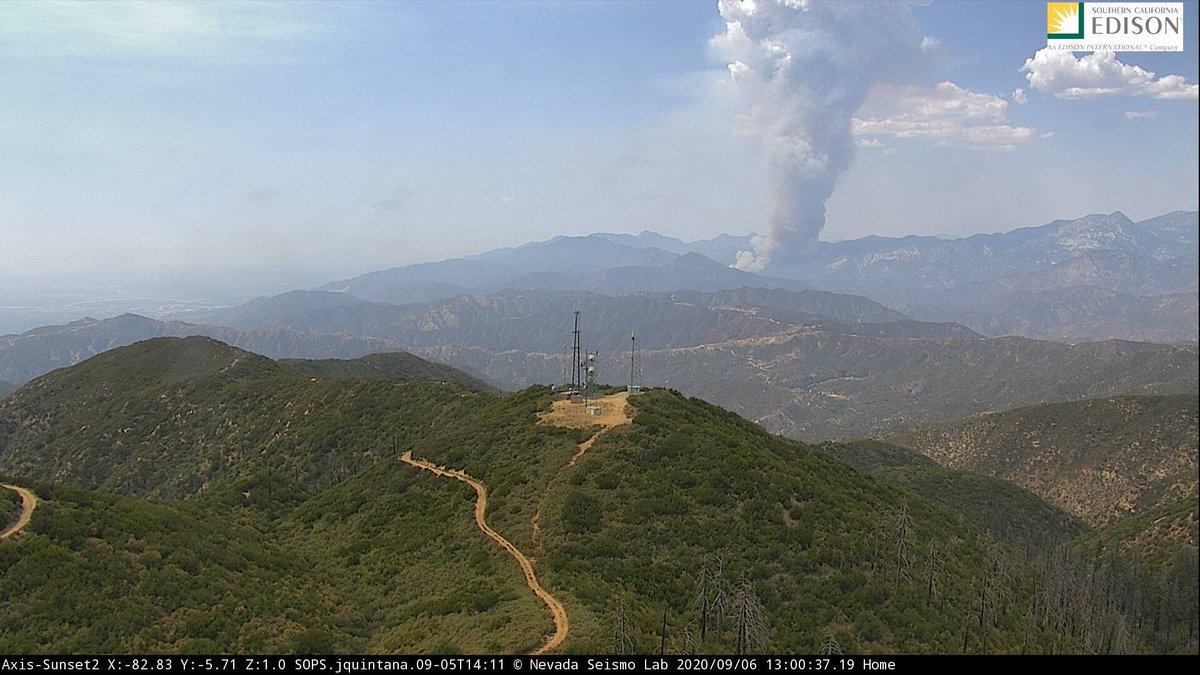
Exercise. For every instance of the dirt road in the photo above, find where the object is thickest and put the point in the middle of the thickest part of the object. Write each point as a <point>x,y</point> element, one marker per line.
<point>29,502</point>
<point>613,413</point>
<point>561,625</point>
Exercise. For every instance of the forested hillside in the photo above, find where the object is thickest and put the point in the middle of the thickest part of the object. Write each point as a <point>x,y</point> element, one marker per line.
<point>1003,509</point>
<point>291,525</point>
<point>168,417</point>
<point>1097,459</point>
<point>689,509</point>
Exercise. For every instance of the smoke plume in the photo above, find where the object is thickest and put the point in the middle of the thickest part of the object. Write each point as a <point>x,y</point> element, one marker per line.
<point>803,67</point>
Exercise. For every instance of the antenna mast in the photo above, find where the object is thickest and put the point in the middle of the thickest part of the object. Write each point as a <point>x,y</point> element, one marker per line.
<point>576,357</point>
<point>590,385</point>
<point>632,357</point>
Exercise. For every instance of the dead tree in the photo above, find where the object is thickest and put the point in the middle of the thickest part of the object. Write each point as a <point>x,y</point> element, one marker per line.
<point>703,601</point>
<point>830,647</point>
<point>933,563</point>
<point>878,542</point>
<point>622,633</point>
<point>750,618</point>
<point>662,644</point>
<point>688,640</point>
<point>721,599</point>
<point>903,545</point>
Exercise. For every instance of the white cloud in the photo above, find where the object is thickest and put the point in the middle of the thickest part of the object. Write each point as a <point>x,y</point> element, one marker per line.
<point>1063,75</point>
<point>507,200</point>
<point>1020,96</point>
<point>1140,114</point>
<point>875,144</point>
<point>946,114</point>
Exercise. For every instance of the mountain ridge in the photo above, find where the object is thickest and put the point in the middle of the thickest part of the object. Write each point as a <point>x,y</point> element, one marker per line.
<point>970,280</point>
<point>35,352</point>
<point>815,385</point>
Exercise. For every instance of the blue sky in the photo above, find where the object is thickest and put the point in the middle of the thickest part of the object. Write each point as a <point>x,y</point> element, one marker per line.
<point>158,136</point>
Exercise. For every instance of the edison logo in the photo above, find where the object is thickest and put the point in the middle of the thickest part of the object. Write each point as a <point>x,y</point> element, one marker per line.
<point>1064,20</point>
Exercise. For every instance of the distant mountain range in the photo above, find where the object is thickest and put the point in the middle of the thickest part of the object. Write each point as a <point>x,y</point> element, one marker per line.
<point>808,364</point>
<point>899,268</point>
<point>803,362</point>
<point>1093,278</point>
<point>1097,277</point>
<point>320,324</point>
<point>538,320</point>
<point>1076,314</point>
<point>600,263</point>
<point>817,384</point>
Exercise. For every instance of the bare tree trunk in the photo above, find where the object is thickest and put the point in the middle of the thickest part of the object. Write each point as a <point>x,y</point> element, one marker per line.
<point>930,567</point>
<point>662,644</point>
<point>720,600</point>
<point>831,646</point>
<point>622,633</point>
<point>902,546</point>
<point>879,525</point>
<point>689,641</point>
<point>751,620</point>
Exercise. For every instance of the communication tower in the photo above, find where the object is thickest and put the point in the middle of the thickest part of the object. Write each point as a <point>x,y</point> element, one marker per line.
<point>634,388</point>
<point>576,357</point>
<point>589,367</point>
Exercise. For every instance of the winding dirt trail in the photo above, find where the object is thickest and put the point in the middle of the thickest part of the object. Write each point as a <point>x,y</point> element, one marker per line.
<point>29,502</point>
<point>561,625</point>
